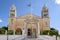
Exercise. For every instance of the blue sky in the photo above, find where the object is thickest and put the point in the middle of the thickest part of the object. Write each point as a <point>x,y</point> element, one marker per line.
<point>22,8</point>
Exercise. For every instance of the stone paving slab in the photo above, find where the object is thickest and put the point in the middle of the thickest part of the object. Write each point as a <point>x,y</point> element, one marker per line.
<point>20,37</point>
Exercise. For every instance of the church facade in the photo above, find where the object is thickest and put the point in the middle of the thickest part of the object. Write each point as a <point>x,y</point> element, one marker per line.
<point>31,24</point>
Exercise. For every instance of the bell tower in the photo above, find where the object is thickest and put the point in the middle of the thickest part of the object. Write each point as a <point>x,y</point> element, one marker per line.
<point>45,12</point>
<point>12,18</point>
<point>13,11</point>
<point>45,18</point>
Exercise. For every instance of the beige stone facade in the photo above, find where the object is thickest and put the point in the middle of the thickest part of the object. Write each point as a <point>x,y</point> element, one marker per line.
<point>29,22</point>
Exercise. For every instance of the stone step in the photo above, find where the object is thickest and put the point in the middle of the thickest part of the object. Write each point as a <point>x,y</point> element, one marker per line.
<point>30,39</point>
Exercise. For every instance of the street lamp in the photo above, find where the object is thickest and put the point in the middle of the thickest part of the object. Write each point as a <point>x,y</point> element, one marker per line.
<point>7,34</point>
<point>56,37</point>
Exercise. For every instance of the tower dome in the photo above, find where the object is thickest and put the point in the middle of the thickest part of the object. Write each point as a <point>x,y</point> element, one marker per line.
<point>45,12</point>
<point>45,9</point>
<point>13,11</point>
<point>13,7</point>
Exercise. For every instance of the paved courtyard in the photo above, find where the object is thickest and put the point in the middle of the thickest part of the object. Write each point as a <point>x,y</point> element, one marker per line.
<point>21,37</point>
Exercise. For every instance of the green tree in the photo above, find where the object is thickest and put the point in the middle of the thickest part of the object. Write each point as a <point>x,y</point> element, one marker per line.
<point>52,29</point>
<point>2,31</point>
<point>50,32</point>
<point>4,27</point>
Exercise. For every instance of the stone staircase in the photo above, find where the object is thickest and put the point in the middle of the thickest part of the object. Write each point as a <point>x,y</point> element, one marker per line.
<point>40,38</point>
<point>35,39</point>
<point>30,39</point>
<point>25,38</point>
<point>20,37</point>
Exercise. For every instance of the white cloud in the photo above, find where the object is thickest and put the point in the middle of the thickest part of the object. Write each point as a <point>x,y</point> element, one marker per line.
<point>57,1</point>
<point>0,20</point>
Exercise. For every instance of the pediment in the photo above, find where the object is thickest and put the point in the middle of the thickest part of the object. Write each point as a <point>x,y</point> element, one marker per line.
<point>28,16</point>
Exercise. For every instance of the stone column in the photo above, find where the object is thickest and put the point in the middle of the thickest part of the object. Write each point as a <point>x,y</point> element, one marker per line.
<point>14,32</point>
<point>25,28</point>
<point>23,31</point>
<point>38,30</point>
<point>6,32</point>
<point>14,29</point>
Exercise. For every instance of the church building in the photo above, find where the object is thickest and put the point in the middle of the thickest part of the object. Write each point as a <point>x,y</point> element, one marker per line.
<point>30,23</point>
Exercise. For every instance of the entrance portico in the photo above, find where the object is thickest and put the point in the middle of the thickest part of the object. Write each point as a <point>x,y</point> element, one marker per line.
<point>32,29</point>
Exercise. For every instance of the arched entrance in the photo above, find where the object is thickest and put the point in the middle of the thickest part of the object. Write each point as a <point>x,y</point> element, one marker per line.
<point>32,33</point>
<point>31,27</point>
<point>18,31</point>
<point>29,32</point>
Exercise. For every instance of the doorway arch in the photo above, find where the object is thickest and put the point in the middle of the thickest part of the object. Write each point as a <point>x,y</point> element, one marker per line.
<point>18,31</point>
<point>29,32</point>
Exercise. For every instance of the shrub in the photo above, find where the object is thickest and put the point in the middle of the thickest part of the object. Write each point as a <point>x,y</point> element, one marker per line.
<point>49,32</point>
<point>10,32</point>
<point>18,33</point>
<point>2,31</point>
<point>45,32</point>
